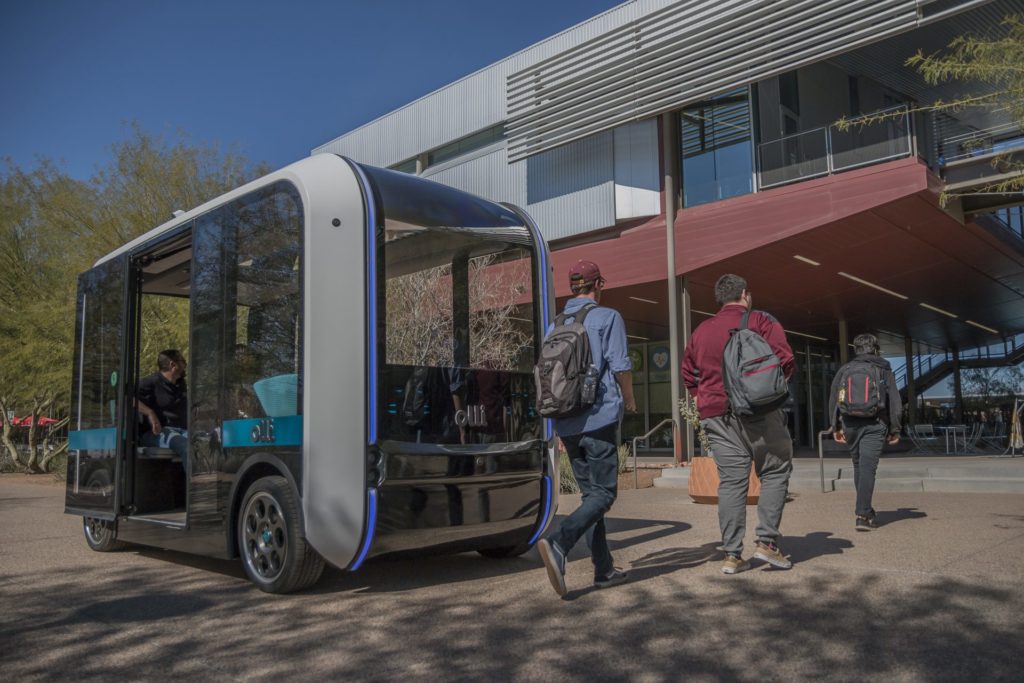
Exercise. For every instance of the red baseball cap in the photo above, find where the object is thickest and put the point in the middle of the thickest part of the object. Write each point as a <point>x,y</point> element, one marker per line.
<point>584,273</point>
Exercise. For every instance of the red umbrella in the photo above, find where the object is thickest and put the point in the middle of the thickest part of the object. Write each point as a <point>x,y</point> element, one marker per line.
<point>27,421</point>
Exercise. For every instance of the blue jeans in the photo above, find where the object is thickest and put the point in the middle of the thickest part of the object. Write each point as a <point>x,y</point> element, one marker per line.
<point>174,438</point>
<point>595,462</point>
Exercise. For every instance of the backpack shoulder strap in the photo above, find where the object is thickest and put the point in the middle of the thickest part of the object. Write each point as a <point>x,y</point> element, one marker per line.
<point>581,315</point>
<point>745,320</point>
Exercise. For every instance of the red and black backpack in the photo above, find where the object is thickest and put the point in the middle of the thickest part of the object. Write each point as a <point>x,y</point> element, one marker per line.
<point>862,390</point>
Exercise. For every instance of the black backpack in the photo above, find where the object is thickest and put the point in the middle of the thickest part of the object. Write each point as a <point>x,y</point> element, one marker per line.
<point>565,375</point>
<point>862,390</point>
<point>752,373</point>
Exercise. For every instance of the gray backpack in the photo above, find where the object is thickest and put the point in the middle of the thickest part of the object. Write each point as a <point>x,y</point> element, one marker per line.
<point>752,373</point>
<point>565,375</point>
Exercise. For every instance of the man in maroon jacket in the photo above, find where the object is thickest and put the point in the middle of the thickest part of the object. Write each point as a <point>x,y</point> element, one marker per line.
<point>737,441</point>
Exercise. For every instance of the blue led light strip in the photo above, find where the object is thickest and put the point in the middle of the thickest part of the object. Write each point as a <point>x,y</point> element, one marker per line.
<point>371,294</point>
<point>547,509</point>
<point>371,527</point>
<point>545,313</point>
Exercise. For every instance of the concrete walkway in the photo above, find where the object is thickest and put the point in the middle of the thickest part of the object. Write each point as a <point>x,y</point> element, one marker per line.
<point>963,474</point>
<point>935,594</point>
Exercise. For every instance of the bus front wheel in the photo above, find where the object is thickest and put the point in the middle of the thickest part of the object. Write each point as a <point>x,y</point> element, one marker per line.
<point>274,551</point>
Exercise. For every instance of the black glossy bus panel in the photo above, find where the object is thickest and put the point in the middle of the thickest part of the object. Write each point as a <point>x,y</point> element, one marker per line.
<point>458,498</point>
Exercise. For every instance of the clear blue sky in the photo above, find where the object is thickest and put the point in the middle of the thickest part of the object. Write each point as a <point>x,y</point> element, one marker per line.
<point>274,78</point>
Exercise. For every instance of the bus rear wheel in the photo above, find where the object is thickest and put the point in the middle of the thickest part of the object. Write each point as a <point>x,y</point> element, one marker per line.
<point>274,551</point>
<point>101,535</point>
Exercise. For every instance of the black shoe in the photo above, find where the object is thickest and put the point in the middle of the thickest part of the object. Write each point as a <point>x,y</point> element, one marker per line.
<point>866,523</point>
<point>554,562</point>
<point>614,579</point>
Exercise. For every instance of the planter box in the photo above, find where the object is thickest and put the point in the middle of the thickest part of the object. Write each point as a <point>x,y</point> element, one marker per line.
<point>704,482</point>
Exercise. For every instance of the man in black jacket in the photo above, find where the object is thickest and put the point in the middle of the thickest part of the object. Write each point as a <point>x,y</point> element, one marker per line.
<point>162,398</point>
<point>864,385</point>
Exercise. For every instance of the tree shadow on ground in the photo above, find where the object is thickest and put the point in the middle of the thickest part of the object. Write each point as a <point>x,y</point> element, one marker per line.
<point>170,625</point>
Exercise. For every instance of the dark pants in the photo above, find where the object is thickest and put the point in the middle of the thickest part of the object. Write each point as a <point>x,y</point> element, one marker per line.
<point>866,439</point>
<point>595,462</point>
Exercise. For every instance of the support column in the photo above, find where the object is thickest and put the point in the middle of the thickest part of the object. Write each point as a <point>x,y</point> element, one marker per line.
<point>958,394</point>
<point>687,322</point>
<point>670,158</point>
<point>908,349</point>
<point>810,395</point>
<point>844,343</point>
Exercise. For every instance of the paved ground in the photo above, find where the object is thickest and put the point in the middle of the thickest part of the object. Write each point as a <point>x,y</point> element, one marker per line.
<point>936,594</point>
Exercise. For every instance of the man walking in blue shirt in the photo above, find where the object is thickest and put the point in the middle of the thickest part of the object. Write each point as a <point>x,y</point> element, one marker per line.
<point>590,437</point>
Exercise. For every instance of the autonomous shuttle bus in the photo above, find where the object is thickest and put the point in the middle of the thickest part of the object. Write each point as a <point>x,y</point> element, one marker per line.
<point>358,354</point>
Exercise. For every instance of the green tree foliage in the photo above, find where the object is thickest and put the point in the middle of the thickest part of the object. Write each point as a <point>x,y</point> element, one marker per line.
<point>987,388</point>
<point>991,67</point>
<point>995,62</point>
<point>53,227</point>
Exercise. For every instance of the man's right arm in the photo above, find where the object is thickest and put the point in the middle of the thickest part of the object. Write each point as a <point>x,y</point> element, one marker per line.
<point>144,397</point>
<point>833,399</point>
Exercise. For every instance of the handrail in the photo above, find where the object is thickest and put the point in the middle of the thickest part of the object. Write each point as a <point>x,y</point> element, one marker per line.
<point>821,457</point>
<point>646,436</point>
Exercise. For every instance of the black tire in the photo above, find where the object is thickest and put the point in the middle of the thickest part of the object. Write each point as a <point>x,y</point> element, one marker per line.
<point>504,553</point>
<point>101,535</point>
<point>273,549</point>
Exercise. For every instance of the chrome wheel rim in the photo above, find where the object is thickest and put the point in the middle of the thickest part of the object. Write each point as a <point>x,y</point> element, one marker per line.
<point>265,537</point>
<point>95,529</point>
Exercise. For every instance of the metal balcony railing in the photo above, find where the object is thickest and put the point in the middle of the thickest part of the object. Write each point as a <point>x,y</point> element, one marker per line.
<point>1006,137</point>
<point>826,150</point>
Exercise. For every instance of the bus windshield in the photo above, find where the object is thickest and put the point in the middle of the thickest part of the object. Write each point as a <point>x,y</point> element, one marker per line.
<point>459,316</point>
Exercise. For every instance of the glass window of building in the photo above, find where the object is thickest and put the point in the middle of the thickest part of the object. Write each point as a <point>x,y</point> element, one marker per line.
<point>467,144</point>
<point>407,166</point>
<point>717,149</point>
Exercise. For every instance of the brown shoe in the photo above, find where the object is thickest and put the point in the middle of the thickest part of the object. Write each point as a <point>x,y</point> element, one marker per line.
<point>734,564</point>
<point>770,553</point>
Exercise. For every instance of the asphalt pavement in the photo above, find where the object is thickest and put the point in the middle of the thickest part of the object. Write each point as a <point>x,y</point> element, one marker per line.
<point>935,594</point>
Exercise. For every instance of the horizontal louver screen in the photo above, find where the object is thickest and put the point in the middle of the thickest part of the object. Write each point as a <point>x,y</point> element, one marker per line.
<point>682,54</point>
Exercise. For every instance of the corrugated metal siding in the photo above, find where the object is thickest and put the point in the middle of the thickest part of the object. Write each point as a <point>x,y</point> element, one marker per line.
<point>686,52</point>
<point>488,175</point>
<point>637,177</point>
<point>470,104</point>
<point>571,189</point>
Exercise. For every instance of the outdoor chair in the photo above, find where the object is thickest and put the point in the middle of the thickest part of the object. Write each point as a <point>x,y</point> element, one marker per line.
<point>972,439</point>
<point>996,440</point>
<point>925,439</point>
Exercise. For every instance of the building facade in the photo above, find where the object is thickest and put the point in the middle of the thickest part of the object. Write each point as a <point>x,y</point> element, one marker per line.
<point>786,140</point>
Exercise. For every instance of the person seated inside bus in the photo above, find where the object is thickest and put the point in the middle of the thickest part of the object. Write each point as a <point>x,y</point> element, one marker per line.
<point>162,398</point>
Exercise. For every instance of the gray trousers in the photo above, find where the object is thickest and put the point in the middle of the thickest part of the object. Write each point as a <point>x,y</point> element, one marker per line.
<point>735,443</point>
